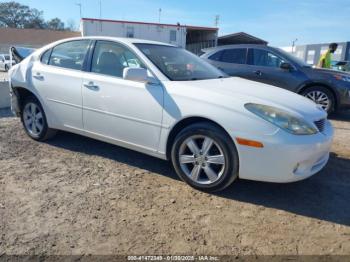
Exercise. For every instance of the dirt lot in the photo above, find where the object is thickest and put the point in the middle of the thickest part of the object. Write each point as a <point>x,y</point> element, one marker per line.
<point>74,195</point>
<point>3,75</point>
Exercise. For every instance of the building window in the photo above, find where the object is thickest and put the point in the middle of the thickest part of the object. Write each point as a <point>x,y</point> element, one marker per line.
<point>300,54</point>
<point>338,53</point>
<point>172,35</point>
<point>310,57</point>
<point>324,49</point>
<point>130,32</point>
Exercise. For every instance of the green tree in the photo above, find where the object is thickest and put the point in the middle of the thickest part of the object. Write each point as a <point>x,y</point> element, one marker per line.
<point>15,15</point>
<point>55,24</point>
<point>71,26</point>
<point>35,20</point>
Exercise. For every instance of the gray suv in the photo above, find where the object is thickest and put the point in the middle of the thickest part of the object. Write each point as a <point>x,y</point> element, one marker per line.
<point>328,88</point>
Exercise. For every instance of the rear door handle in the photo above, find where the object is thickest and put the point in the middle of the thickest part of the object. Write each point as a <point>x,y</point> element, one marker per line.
<point>258,72</point>
<point>91,86</point>
<point>38,76</point>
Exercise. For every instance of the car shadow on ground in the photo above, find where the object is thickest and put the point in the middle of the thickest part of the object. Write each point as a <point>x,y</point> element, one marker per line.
<point>324,196</point>
<point>90,146</point>
<point>5,112</point>
<point>343,115</point>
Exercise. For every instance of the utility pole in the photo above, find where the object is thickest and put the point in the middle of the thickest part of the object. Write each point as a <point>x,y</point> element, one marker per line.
<point>217,18</point>
<point>159,14</point>
<point>293,44</point>
<point>79,4</point>
<point>100,3</point>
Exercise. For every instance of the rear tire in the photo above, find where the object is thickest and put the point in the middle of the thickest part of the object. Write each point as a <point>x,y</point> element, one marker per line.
<point>321,96</point>
<point>6,68</point>
<point>205,157</point>
<point>34,120</point>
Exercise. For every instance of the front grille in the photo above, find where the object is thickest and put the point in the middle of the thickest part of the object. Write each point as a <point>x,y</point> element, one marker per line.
<point>320,124</point>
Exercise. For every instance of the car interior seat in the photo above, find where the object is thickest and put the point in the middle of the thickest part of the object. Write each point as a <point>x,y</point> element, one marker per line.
<point>109,64</point>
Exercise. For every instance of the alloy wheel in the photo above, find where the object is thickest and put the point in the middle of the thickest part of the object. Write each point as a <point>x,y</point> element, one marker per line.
<point>319,98</point>
<point>202,159</point>
<point>33,119</point>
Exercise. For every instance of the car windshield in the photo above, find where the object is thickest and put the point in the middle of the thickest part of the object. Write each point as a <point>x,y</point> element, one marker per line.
<point>293,58</point>
<point>7,57</point>
<point>178,64</point>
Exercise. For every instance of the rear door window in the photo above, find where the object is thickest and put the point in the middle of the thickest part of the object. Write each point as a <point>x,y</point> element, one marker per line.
<point>70,54</point>
<point>216,56</point>
<point>234,56</point>
<point>45,57</point>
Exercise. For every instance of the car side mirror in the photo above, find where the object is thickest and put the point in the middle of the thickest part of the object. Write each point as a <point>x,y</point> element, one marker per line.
<point>286,66</point>
<point>135,74</point>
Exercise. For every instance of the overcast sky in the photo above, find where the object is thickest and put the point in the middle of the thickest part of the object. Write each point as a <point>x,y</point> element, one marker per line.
<point>277,21</point>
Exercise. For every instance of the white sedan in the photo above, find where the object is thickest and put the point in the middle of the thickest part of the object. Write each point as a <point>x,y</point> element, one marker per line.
<point>5,62</point>
<point>166,102</point>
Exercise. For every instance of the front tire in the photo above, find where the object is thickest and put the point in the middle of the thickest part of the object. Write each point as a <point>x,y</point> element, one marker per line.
<point>205,157</point>
<point>34,120</point>
<point>321,96</point>
<point>6,68</point>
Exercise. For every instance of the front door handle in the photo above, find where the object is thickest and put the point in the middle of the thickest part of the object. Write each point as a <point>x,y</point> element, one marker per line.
<point>91,86</point>
<point>258,72</point>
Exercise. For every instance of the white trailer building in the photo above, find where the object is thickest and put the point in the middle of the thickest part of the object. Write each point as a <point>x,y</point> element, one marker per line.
<point>193,38</point>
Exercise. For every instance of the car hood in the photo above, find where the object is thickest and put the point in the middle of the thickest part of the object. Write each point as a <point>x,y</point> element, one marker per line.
<point>234,93</point>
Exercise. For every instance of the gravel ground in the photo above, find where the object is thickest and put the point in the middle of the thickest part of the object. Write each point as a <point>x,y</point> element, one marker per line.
<point>74,195</point>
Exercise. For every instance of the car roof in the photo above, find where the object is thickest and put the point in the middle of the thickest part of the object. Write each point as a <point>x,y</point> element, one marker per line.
<point>223,47</point>
<point>119,39</point>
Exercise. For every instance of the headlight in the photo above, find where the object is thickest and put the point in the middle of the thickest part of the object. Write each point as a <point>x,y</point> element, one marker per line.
<point>282,119</point>
<point>342,78</point>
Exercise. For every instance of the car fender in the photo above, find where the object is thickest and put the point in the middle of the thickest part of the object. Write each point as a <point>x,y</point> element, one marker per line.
<point>326,84</point>
<point>236,123</point>
<point>20,76</point>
